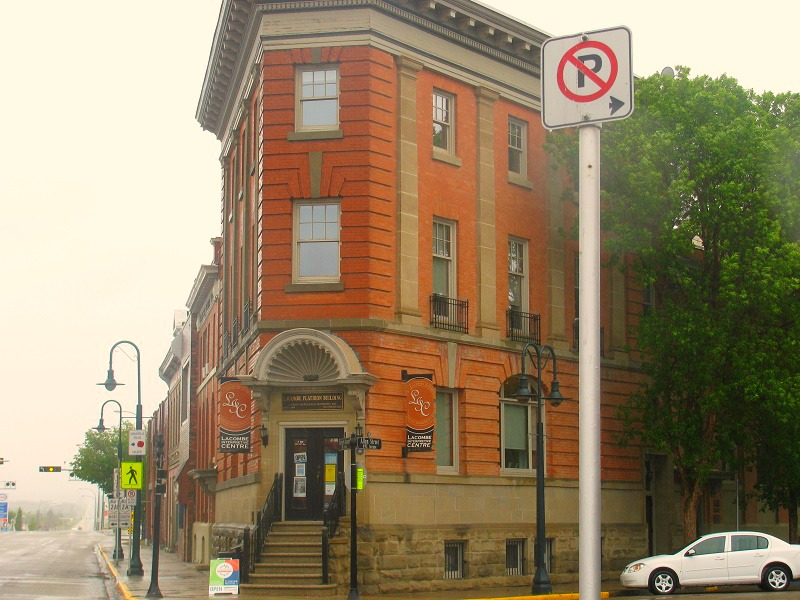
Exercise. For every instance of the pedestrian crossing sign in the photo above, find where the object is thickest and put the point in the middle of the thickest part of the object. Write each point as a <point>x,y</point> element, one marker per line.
<point>130,477</point>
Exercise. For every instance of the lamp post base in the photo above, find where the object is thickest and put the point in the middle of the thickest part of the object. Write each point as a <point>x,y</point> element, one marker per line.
<point>541,583</point>
<point>135,568</point>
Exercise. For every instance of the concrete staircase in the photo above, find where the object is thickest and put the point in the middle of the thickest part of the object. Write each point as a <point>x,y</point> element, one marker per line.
<point>290,564</point>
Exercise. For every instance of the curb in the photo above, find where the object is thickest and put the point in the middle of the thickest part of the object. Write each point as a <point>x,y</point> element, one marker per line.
<point>126,593</point>
<point>571,596</point>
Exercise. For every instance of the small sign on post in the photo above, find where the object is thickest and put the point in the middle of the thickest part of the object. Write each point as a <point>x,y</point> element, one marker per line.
<point>137,443</point>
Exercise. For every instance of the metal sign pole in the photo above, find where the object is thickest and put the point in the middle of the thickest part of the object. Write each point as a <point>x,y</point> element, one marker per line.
<point>589,363</point>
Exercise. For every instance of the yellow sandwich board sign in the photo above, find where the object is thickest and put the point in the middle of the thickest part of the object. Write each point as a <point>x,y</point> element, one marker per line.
<point>130,477</point>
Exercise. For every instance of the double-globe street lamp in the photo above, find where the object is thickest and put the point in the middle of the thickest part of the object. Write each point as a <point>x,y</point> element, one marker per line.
<point>541,580</point>
<point>135,566</point>
<point>101,428</point>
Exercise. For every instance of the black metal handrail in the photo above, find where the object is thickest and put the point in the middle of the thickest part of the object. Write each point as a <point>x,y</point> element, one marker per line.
<point>522,326</point>
<point>449,313</point>
<point>269,513</point>
<point>330,523</point>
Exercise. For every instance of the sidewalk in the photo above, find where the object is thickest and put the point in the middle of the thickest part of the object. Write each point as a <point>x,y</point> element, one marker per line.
<point>176,579</point>
<point>180,580</point>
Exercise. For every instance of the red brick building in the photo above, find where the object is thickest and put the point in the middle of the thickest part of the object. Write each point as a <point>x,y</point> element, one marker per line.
<point>388,209</point>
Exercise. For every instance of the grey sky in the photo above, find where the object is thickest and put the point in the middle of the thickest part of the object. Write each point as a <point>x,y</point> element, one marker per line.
<point>110,190</point>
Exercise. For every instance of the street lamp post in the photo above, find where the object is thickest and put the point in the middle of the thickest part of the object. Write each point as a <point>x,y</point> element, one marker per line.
<point>101,428</point>
<point>135,566</point>
<point>154,591</point>
<point>541,580</point>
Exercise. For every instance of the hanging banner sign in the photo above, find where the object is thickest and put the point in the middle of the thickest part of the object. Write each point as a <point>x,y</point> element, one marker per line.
<point>235,409</point>
<point>420,414</point>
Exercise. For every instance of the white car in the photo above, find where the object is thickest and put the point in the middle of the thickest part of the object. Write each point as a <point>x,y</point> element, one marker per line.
<point>733,557</point>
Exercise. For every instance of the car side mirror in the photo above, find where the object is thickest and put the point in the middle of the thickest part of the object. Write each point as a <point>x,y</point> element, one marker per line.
<point>690,552</point>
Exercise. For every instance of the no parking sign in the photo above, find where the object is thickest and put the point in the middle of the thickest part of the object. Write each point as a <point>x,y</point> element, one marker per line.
<point>587,78</point>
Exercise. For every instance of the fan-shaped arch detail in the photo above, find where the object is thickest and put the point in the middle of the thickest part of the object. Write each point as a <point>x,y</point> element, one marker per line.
<point>307,355</point>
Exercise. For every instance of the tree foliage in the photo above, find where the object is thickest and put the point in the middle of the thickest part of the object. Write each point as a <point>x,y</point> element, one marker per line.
<point>98,456</point>
<point>700,198</point>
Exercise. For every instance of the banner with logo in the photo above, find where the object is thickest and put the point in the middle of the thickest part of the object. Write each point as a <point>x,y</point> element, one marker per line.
<point>235,409</point>
<point>420,414</point>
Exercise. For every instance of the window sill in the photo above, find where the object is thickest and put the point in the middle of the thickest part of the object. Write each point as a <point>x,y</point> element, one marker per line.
<point>314,287</point>
<point>445,156</point>
<point>506,472</point>
<point>328,134</point>
<point>519,180</point>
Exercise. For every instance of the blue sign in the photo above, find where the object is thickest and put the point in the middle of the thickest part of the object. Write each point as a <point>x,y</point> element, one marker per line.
<point>3,510</point>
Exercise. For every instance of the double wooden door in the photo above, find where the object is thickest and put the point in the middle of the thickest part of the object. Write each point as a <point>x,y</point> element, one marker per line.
<point>313,466</point>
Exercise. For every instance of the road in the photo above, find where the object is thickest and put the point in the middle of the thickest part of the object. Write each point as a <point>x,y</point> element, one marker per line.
<point>52,564</point>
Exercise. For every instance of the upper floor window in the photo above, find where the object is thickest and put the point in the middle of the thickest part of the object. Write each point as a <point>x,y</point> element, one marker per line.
<point>517,145</point>
<point>443,131</point>
<point>316,256</point>
<point>648,293</point>
<point>318,94</point>
<point>517,275</point>
<point>443,255</point>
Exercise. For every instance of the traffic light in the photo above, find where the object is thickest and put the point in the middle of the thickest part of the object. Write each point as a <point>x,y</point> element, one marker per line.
<point>49,469</point>
<point>10,484</point>
<point>2,460</point>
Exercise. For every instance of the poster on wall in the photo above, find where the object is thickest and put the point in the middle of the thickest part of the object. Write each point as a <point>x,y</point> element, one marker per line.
<point>420,414</point>
<point>235,408</point>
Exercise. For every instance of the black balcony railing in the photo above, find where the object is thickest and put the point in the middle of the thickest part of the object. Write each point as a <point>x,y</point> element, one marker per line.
<point>522,326</point>
<point>449,313</point>
<point>235,331</point>
<point>576,337</point>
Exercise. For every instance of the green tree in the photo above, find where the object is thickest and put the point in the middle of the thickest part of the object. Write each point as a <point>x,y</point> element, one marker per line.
<point>97,457</point>
<point>698,200</point>
<point>18,520</point>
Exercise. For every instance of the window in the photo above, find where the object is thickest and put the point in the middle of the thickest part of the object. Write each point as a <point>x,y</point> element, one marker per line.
<point>741,543</point>
<point>454,559</point>
<point>318,93</point>
<point>443,133</point>
<point>648,293</point>
<point>443,269</point>
<point>446,432</point>
<point>517,144</point>
<point>316,257</point>
<point>517,435</point>
<point>515,557</point>
<point>517,275</point>
<point>713,545</point>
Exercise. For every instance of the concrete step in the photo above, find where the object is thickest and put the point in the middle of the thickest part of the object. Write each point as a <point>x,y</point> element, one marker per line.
<point>286,579</point>
<point>286,569</point>
<point>290,557</point>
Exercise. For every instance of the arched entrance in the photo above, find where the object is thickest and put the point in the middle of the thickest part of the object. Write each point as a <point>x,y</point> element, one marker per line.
<point>311,389</point>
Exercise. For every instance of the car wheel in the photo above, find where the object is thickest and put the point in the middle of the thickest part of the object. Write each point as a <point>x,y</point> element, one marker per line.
<point>776,578</point>
<point>663,582</point>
